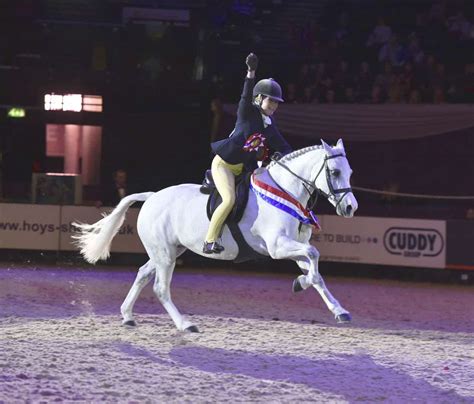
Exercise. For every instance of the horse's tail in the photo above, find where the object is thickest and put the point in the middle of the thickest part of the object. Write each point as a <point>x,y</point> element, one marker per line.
<point>94,240</point>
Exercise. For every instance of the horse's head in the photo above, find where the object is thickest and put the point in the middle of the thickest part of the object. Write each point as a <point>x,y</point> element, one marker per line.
<point>333,179</point>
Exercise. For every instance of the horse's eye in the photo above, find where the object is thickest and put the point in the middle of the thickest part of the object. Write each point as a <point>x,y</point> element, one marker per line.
<point>336,173</point>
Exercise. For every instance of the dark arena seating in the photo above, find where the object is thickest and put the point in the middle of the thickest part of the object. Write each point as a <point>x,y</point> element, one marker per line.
<point>154,70</point>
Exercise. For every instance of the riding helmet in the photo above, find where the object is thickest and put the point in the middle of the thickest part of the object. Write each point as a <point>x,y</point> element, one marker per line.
<point>269,88</point>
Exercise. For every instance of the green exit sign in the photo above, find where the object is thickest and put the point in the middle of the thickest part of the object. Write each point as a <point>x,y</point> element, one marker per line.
<point>16,112</point>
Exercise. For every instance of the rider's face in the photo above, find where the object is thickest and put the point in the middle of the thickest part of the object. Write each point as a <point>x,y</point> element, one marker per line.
<point>269,106</point>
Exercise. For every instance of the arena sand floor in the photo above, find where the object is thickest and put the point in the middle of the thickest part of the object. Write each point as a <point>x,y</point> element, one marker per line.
<point>61,339</point>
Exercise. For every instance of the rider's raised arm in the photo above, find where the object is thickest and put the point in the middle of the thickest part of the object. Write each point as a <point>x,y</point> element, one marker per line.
<point>246,98</point>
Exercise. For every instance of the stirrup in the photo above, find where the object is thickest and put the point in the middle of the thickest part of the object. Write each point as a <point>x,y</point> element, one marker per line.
<point>212,248</point>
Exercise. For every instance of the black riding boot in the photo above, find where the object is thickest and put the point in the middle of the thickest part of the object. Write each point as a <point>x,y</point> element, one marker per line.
<point>212,248</point>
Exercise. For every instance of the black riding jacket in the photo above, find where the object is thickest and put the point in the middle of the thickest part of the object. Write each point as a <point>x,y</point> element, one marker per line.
<point>250,137</point>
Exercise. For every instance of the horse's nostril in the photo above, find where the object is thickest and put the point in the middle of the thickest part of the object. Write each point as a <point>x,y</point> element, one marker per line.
<point>349,209</point>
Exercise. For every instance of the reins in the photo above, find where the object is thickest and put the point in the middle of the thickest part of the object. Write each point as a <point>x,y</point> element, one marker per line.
<point>314,194</point>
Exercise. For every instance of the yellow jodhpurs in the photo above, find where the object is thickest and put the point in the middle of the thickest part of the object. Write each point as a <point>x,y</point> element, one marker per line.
<point>224,177</point>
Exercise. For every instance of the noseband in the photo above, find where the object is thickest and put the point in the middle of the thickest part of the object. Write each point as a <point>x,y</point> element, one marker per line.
<point>315,192</point>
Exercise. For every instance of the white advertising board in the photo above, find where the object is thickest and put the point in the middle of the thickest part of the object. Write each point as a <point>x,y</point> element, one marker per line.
<point>387,241</point>
<point>369,240</point>
<point>49,227</point>
<point>32,227</point>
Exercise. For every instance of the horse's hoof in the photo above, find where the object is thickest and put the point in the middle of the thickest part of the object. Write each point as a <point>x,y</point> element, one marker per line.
<point>192,328</point>
<point>130,323</point>
<point>343,318</point>
<point>297,286</point>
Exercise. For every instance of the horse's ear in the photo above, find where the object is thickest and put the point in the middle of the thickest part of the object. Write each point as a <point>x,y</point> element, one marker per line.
<point>340,144</point>
<point>326,146</point>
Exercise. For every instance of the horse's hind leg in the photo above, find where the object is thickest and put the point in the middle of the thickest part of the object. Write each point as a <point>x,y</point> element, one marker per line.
<point>144,275</point>
<point>165,263</point>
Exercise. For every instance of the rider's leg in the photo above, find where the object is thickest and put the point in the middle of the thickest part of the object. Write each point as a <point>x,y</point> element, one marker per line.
<point>224,179</point>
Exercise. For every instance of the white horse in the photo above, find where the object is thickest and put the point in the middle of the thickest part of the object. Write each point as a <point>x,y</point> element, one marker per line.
<point>174,219</point>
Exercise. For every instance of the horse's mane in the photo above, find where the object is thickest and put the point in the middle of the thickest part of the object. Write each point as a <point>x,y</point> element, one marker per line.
<point>294,154</point>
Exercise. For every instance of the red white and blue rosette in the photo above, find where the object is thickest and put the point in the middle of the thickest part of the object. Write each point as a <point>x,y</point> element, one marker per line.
<point>254,142</point>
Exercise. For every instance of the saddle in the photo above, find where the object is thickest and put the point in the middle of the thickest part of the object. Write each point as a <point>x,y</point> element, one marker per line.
<point>242,187</point>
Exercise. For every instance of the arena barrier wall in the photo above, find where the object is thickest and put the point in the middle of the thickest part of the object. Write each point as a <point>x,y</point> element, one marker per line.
<point>365,240</point>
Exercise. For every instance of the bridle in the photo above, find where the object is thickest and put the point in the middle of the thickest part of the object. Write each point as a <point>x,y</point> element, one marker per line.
<point>313,190</point>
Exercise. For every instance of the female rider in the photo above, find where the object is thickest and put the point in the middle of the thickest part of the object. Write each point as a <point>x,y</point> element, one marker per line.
<point>255,133</point>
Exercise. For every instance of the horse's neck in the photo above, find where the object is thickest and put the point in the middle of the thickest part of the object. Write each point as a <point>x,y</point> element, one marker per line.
<point>302,166</point>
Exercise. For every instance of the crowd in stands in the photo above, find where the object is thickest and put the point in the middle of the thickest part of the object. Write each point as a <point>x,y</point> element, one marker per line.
<point>421,54</point>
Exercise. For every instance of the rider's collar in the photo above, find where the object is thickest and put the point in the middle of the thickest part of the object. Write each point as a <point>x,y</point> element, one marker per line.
<point>266,120</point>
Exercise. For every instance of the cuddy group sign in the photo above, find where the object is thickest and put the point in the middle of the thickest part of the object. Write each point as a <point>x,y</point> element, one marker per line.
<point>387,241</point>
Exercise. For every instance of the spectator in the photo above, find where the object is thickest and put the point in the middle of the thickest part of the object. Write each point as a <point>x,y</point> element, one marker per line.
<point>458,26</point>
<point>453,93</point>
<point>393,52</point>
<point>470,214</point>
<point>309,35</point>
<point>414,53</point>
<point>437,13</point>
<point>112,193</point>
<point>380,34</point>
<point>439,78</point>
<point>364,82</point>
<point>308,95</point>
<point>349,95</point>
<point>394,90</point>
<point>427,71</point>
<point>342,77</point>
<point>376,95</point>
<point>320,72</point>
<point>330,96</point>
<point>415,97</point>
<point>243,11</point>
<point>438,95</point>
<point>304,77</point>
<point>325,85</point>
<point>383,79</point>
<point>468,83</point>
<point>342,31</point>
<point>291,95</point>
<point>421,21</point>
<point>390,188</point>
<point>407,80</point>
<point>222,122</point>
<point>332,53</point>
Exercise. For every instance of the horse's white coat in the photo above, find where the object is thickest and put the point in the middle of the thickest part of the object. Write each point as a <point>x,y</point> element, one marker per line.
<point>174,219</point>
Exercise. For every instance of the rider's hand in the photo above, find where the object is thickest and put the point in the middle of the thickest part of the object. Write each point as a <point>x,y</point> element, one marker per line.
<point>252,62</point>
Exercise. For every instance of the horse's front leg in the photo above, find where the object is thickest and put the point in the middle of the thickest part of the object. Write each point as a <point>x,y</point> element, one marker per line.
<point>307,258</point>
<point>341,314</point>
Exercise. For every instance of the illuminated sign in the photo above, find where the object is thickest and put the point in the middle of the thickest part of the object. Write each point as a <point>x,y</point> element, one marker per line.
<point>72,102</point>
<point>16,113</point>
